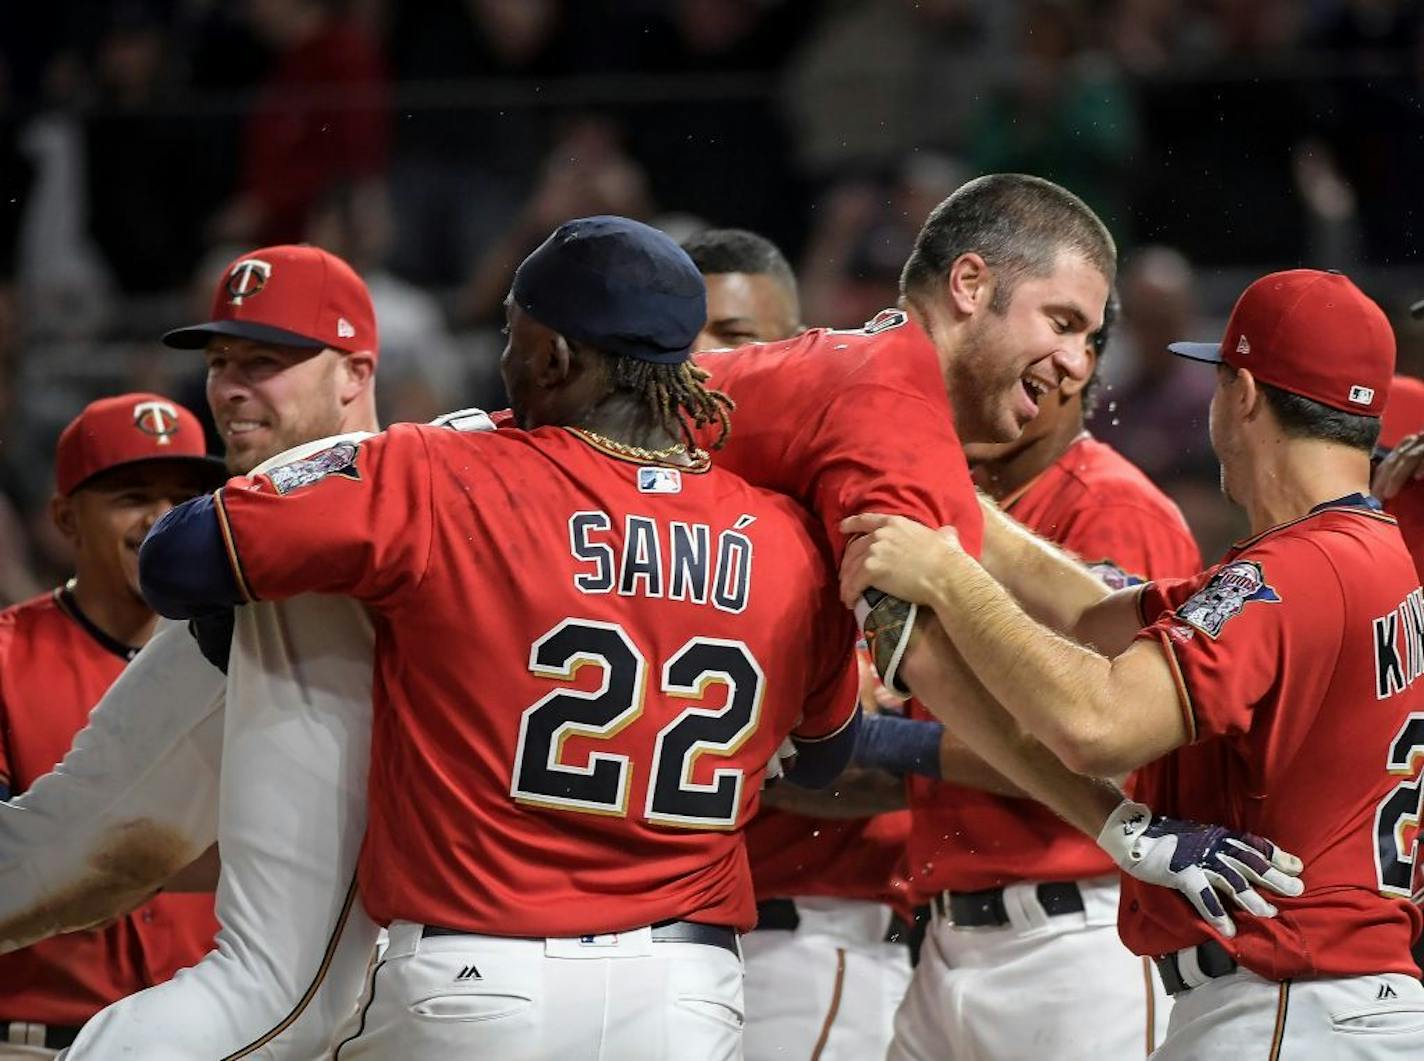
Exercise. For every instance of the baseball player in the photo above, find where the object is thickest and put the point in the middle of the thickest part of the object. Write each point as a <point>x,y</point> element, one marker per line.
<point>1277,689</point>
<point>811,436</point>
<point>829,960</point>
<point>119,465</point>
<point>291,349</point>
<point>1020,900</point>
<point>553,839</point>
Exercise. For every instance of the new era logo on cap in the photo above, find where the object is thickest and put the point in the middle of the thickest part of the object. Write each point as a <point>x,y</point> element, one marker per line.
<point>1243,345</point>
<point>1362,395</point>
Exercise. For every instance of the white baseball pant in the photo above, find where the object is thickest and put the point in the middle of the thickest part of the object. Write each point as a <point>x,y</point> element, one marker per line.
<point>1360,1018</point>
<point>827,990</point>
<point>1059,986</point>
<point>294,744</point>
<point>623,997</point>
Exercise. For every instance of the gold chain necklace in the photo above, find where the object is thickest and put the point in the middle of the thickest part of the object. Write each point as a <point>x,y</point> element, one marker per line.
<point>652,456</point>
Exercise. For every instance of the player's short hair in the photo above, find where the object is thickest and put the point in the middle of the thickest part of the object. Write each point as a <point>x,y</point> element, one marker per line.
<point>736,250</point>
<point>1302,417</point>
<point>1018,224</point>
<point>1099,342</point>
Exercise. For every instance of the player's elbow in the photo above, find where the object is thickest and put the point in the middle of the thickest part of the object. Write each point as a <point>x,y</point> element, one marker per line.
<point>183,568</point>
<point>1091,747</point>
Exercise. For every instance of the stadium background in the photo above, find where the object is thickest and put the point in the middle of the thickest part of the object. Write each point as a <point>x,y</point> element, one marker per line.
<point>143,143</point>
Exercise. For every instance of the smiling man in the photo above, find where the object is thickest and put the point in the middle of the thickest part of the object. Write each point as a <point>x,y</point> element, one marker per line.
<point>120,465</point>
<point>291,352</point>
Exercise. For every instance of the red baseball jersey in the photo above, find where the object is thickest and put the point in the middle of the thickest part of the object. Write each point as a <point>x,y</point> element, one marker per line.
<point>1099,506</point>
<point>54,667</point>
<point>845,422</point>
<point>1297,659</point>
<point>583,664</point>
<point>863,858</point>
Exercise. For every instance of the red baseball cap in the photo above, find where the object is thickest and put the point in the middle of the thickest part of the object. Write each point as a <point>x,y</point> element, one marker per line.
<point>130,429</point>
<point>1311,333</point>
<point>288,295</point>
<point>1404,412</point>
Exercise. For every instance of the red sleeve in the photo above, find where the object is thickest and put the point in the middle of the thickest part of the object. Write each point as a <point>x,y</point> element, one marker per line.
<point>354,519</point>
<point>886,448</point>
<point>1230,633</point>
<point>835,687</point>
<point>1139,543</point>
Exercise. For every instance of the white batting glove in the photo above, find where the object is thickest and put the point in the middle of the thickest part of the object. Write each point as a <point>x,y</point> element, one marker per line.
<point>1200,861</point>
<point>776,765</point>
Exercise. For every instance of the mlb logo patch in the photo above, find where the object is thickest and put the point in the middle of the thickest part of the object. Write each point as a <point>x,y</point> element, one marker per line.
<point>609,939</point>
<point>659,481</point>
<point>1362,395</point>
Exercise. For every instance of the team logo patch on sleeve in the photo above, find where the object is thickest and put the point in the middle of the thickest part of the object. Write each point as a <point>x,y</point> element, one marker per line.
<point>1114,576</point>
<point>1225,594</point>
<point>340,459</point>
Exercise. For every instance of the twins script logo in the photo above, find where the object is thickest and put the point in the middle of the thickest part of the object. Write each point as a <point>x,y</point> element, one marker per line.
<point>248,277</point>
<point>159,419</point>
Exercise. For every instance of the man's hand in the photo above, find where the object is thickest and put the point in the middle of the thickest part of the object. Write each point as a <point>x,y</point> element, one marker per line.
<point>1200,861</point>
<point>1404,464</point>
<point>896,556</point>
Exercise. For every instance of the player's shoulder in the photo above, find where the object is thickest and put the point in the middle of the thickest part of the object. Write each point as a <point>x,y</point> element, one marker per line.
<point>889,343</point>
<point>1105,475</point>
<point>781,519</point>
<point>24,618</point>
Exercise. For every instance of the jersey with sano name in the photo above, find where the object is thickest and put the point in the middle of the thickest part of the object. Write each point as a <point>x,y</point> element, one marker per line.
<point>54,667</point>
<point>1297,661</point>
<point>847,422</point>
<point>1095,503</point>
<point>583,664</point>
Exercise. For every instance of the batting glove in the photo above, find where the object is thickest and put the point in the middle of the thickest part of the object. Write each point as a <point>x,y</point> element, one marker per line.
<point>1203,862</point>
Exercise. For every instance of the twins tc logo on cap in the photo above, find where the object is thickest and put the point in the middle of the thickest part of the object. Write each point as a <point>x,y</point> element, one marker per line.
<point>247,278</point>
<point>159,419</point>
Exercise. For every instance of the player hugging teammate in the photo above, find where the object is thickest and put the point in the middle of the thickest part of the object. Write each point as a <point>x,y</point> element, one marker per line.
<point>588,632</point>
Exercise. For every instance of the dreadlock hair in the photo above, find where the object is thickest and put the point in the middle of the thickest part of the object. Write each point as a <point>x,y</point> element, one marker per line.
<point>676,395</point>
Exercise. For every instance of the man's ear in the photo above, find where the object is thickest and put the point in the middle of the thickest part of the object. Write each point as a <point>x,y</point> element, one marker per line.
<point>66,520</point>
<point>358,370</point>
<point>554,361</point>
<point>1249,395</point>
<point>970,283</point>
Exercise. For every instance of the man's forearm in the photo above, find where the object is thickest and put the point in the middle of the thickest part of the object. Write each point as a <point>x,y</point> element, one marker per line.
<point>1051,584</point>
<point>943,682</point>
<point>855,794</point>
<point>962,765</point>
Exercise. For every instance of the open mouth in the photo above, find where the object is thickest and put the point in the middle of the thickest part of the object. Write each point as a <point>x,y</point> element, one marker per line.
<point>1033,390</point>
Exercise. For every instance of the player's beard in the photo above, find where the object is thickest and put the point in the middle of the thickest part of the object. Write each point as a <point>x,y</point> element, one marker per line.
<point>980,383</point>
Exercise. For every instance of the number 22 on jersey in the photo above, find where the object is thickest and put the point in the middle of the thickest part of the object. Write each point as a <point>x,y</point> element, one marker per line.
<point>601,785</point>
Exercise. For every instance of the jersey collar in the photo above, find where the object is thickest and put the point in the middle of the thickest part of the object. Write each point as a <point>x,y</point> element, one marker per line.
<point>1361,504</point>
<point>64,597</point>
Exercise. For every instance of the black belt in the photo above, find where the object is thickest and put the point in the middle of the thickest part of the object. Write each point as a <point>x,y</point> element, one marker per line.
<point>1212,959</point>
<point>986,909</point>
<point>56,1036</point>
<point>663,932</point>
<point>782,915</point>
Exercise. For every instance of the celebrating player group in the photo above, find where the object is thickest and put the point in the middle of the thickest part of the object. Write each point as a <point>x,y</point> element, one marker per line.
<point>545,733</point>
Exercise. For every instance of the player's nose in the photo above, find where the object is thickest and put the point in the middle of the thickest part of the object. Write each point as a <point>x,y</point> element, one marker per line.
<point>1071,360</point>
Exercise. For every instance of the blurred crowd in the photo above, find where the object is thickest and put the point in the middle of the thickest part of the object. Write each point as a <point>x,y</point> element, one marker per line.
<point>143,143</point>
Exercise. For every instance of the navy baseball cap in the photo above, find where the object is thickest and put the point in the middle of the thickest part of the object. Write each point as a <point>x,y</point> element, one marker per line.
<point>617,285</point>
